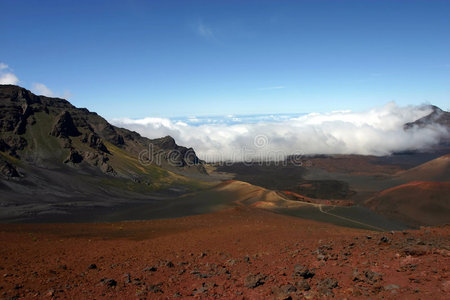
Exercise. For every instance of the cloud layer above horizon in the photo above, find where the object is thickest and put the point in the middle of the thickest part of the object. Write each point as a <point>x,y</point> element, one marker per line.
<point>378,131</point>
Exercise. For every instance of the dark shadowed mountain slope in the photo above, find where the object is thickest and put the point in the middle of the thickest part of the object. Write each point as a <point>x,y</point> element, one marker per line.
<point>58,160</point>
<point>48,132</point>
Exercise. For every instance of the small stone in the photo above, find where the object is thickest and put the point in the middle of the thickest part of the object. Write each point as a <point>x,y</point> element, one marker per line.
<point>155,288</point>
<point>92,267</point>
<point>384,240</point>
<point>127,278</point>
<point>326,286</point>
<point>253,281</point>
<point>288,288</point>
<point>391,287</point>
<point>322,257</point>
<point>109,282</point>
<point>302,285</point>
<point>302,271</point>
<point>418,250</point>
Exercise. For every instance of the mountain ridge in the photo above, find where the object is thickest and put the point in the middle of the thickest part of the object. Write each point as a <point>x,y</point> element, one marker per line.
<point>83,136</point>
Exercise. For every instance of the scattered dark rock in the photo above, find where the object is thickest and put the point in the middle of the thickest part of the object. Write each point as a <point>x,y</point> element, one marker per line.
<point>302,271</point>
<point>127,278</point>
<point>155,288</point>
<point>253,281</point>
<point>200,275</point>
<point>203,289</point>
<point>384,240</point>
<point>50,293</point>
<point>92,267</point>
<point>417,250</point>
<point>326,247</point>
<point>408,267</point>
<point>322,257</point>
<point>109,282</point>
<point>303,285</point>
<point>288,288</point>
<point>390,287</point>
<point>367,276</point>
<point>326,286</point>
<point>138,282</point>
<point>150,269</point>
<point>284,292</point>
<point>170,264</point>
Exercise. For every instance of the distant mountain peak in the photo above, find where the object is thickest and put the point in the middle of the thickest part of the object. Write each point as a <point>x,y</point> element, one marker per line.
<point>437,116</point>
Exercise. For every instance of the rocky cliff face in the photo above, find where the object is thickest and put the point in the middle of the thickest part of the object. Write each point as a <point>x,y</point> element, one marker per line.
<point>47,131</point>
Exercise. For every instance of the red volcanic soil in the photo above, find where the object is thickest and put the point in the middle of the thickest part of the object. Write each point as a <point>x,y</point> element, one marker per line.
<point>242,253</point>
<point>417,202</point>
<point>434,170</point>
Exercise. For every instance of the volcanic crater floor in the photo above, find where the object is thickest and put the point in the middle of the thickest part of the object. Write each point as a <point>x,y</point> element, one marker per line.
<point>239,253</point>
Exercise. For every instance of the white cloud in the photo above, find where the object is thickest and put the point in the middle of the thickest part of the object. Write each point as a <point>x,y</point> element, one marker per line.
<point>3,66</point>
<point>204,30</point>
<point>6,76</point>
<point>41,89</point>
<point>378,131</point>
<point>67,94</point>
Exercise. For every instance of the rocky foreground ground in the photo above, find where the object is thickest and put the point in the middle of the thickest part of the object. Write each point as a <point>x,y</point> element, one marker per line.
<point>243,253</point>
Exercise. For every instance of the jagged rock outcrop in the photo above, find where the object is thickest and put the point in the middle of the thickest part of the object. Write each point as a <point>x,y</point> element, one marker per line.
<point>12,144</point>
<point>95,142</point>
<point>74,157</point>
<point>178,156</point>
<point>64,126</point>
<point>7,170</point>
<point>14,117</point>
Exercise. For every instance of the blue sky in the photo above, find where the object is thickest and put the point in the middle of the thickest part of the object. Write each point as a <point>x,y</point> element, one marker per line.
<point>191,58</point>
